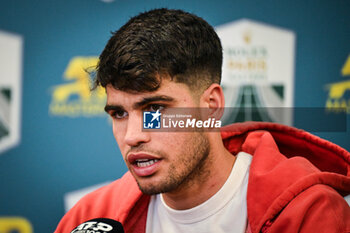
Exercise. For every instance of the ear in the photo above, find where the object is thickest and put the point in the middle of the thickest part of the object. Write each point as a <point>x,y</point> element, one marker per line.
<point>213,99</point>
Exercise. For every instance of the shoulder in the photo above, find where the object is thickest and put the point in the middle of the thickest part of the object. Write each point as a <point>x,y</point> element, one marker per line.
<point>111,201</point>
<point>319,208</point>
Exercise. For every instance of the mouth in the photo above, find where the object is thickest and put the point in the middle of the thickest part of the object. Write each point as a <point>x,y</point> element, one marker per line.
<point>143,164</point>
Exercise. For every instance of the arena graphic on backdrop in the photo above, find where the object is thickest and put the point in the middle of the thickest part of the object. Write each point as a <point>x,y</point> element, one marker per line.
<point>10,89</point>
<point>258,70</point>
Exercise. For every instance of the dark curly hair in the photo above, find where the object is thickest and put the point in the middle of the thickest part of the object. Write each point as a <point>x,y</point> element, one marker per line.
<point>161,43</point>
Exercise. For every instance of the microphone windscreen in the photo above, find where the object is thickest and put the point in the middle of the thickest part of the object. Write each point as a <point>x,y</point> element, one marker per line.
<point>99,225</point>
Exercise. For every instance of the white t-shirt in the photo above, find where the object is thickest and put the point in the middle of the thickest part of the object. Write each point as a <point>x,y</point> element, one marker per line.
<point>226,211</point>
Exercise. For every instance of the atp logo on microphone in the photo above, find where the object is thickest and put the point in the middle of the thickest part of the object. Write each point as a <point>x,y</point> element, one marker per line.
<point>99,225</point>
<point>151,120</point>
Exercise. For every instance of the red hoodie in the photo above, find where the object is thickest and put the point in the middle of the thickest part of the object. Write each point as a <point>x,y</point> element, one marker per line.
<point>296,184</point>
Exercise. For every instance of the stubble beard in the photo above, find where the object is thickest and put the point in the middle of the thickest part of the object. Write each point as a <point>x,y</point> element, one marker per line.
<point>194,156</point>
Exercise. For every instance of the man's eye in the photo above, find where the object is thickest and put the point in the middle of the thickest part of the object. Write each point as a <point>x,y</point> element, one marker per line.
<point>120,114</point>
<point>155,107</point>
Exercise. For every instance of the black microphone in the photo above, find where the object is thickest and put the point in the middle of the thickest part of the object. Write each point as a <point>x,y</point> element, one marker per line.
<point>99,225</point>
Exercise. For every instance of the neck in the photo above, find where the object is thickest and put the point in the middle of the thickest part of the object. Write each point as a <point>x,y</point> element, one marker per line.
<point>205,181</point>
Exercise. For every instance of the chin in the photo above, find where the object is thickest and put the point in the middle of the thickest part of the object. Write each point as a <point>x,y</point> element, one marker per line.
<point>152,188</point>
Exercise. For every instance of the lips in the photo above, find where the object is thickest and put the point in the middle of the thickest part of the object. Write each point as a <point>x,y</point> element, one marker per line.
<point>143,164</point>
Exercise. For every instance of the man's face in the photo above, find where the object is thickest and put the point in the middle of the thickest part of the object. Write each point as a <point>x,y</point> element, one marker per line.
<point>160,161</point>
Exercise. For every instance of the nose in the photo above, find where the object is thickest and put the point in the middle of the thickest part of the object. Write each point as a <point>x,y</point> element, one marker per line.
<point>134,135</point>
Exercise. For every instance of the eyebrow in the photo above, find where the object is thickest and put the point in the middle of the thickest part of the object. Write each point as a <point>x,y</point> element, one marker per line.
<point>141,103</point>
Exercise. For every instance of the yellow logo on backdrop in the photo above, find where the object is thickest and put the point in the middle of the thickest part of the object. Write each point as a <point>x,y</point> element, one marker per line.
<point>336,96</point>
<point>75,98</point>
<point>346,68</point>
<point>15,224</point>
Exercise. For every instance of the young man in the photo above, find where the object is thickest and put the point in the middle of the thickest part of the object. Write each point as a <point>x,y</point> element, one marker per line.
<point>251,177</point>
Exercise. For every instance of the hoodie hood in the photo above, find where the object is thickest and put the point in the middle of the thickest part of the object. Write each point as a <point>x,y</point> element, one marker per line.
<point>287,161</point>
